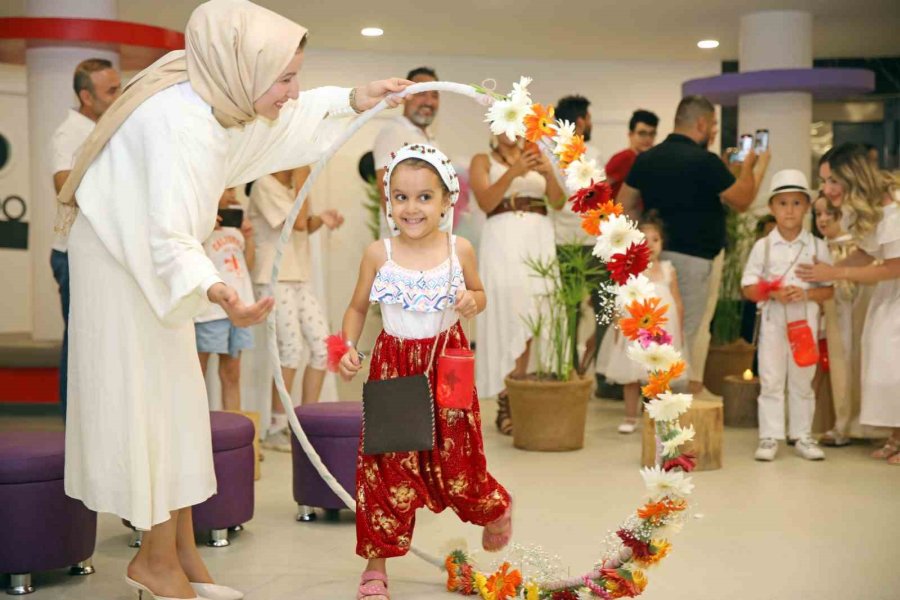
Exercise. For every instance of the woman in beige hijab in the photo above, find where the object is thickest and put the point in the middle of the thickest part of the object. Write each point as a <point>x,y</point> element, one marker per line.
<point>225,111</point>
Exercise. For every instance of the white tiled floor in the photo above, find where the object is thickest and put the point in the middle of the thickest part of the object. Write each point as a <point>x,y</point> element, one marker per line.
<point>787,530</point>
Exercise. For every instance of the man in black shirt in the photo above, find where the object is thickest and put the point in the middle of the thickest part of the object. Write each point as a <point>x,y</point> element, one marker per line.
<point>687,185</point>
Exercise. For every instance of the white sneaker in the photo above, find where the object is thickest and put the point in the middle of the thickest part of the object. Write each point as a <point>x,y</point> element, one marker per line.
<point>766,450</point>
<point>627,426</point>
<point>280,441</point>
<point>809,449</point>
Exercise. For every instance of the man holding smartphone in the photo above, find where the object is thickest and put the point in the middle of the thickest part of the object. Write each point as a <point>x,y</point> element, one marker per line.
<point>689,187</point>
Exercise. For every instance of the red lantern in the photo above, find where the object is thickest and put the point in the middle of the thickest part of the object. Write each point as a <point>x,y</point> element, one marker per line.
<point>803,344</point>
<point>456,378</point>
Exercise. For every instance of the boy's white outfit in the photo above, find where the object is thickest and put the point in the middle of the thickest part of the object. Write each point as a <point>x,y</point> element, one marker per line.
<point>777,368</point>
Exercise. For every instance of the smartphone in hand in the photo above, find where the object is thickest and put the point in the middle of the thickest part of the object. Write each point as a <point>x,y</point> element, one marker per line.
<point>231,217</point>
<point>762,141</point>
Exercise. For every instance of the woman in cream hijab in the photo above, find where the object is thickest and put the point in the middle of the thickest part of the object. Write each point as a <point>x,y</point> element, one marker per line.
<point>224,111</point>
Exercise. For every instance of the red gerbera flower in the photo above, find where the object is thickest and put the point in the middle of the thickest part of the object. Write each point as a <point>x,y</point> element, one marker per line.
<point>564,595</point>
<point>685,461</point>
<point>639,549</point>
<point>633,262</point>
<point>591,197</point>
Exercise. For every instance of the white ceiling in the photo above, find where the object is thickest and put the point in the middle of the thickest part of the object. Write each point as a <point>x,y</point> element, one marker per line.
<point>562,29</point>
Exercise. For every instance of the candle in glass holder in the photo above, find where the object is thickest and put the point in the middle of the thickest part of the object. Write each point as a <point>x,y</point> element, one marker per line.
<point>748,375</point>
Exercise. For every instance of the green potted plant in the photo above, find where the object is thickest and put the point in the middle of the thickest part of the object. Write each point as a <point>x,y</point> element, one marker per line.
<point>729,353</point>
<point>549,408</point>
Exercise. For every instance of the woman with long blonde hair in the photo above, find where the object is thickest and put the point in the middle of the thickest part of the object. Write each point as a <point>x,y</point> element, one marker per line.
<point>870,206</point>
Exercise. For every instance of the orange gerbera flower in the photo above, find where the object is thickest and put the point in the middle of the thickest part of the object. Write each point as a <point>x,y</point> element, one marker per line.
<point>646,315</point>
<point>504,583</point>
<point>539,123</point>
<point>659,549</point>
<point>661,381</point>
<point>655,512</point>
<point>591,220</point>
<point>452,579</point>
<point>573,151</point>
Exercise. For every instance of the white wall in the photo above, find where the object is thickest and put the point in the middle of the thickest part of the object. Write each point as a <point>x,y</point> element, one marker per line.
<point>15,265</point>
<point>615,88</point>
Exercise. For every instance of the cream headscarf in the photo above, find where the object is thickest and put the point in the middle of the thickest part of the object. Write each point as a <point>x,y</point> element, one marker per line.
<point>234,52</point>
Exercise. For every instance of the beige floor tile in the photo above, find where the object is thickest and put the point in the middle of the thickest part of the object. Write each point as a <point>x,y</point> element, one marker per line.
<point>791,529</point>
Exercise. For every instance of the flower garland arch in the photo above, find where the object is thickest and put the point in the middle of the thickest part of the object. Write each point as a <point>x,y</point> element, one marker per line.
<point>642,540</point>
<point>629,294</point>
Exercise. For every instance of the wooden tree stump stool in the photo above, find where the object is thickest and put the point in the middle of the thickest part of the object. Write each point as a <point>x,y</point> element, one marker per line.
<point>739,397</point>
<point>707,418</point>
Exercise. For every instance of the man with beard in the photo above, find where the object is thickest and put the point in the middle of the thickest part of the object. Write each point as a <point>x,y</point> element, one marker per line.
<point>412,127</point>
<point>688,187</point>
<point>97,85</point>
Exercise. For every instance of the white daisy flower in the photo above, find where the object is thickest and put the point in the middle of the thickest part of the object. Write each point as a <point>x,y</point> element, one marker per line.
<point>637,288</point>
<point>668,406</point>
<point>666,484</point>
<point>508,117</point>
<point>670,446</point>
<point>565,131</point>
<point>582,173</point>
<point>617,233</point>
<point>655,357</point>
<point>520,93</point>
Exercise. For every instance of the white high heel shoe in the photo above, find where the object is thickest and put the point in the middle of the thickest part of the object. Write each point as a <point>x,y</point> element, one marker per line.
<point>211,591</point>
<point>143,589</point>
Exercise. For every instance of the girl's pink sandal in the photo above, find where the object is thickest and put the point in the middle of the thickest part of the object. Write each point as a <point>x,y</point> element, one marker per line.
<point>496,534</point>
<point>372,584</point>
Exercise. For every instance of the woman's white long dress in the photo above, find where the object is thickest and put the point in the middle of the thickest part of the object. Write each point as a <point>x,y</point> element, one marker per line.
<point>881,333</point>
<point>138,435</point>
<point>513,291</point>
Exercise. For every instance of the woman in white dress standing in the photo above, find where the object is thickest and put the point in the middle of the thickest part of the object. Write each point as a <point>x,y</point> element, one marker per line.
<point>868,198</point>
<point>512,186</point>
<point>147,183</point>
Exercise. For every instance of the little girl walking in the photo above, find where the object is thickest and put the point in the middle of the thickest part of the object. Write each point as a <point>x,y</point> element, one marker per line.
<point>613,360</point>
<point>424,281</point>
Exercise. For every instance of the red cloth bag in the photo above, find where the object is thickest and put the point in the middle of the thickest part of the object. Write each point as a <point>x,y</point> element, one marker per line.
<point>456,378</point>
<point>803,344</point>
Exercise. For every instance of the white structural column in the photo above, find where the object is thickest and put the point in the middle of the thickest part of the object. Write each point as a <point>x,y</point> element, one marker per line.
<point>50,95</point>
<point>778,40</point>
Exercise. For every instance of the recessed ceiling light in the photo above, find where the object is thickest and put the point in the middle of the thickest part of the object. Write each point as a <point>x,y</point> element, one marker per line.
<point>372,31</point>
<point>708,44</point>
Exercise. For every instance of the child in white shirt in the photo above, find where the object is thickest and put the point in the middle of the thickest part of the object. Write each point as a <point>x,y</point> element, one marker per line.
<point>775,258</point>
<point>232,251</point>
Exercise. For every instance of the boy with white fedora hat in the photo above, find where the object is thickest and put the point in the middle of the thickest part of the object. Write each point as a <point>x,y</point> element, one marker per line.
<point>786,302</point>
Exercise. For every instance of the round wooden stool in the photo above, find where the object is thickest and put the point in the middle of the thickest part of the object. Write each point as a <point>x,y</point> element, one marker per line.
<point>707,418</point>
<point>739,397</point>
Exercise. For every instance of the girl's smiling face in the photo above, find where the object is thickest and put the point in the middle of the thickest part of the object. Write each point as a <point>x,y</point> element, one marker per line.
<point>418,200</point>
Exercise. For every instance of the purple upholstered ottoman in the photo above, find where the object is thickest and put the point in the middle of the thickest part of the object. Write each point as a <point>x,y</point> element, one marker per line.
<point>333,428</point>
<point>40,527</point>
<point>232,506</point>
